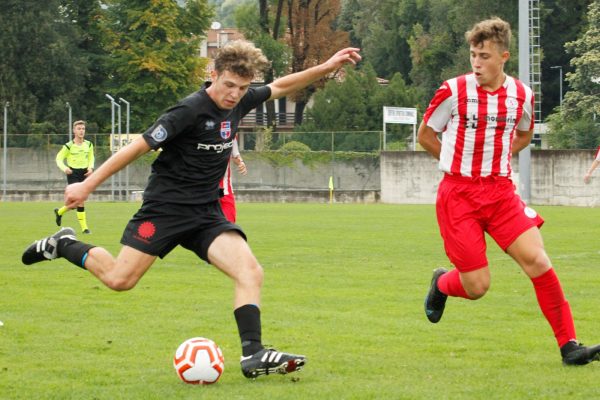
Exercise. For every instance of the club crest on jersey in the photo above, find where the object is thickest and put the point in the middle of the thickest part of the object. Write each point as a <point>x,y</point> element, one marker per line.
<point>226,129</point>
<point>159,133</point>
<point>511,103</point>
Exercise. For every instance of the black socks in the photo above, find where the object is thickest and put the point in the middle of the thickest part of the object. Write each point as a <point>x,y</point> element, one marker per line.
<point>248,322</point>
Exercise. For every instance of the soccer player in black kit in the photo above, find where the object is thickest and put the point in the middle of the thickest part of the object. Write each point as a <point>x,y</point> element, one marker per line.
<point>181,200</point>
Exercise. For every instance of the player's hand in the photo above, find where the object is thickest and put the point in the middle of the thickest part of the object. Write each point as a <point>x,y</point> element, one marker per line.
<point>75,193</point>
<point>89,171</point>
<point>241,166</point>
<point>587,178</point>
<point>68,171</point>
<point>348,55</point>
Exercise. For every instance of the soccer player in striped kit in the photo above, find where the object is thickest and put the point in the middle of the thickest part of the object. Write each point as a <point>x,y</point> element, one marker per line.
<point>484,118</point>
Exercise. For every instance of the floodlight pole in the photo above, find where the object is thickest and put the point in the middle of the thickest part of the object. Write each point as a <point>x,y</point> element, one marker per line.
<point>127,140</point>
<point>560,81</point>
<point>70,130</point>
<point>118,106</point>
<point>5,150</point>
<point>112,133</point>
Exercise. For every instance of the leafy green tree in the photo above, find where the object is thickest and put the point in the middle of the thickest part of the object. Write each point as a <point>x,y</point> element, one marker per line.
<point>575,123</point>
<point>354,104</point>
<point>154,53</point>
<point>42,66</point>
<point>570,16</point>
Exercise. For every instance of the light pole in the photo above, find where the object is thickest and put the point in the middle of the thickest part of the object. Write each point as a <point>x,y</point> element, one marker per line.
<point>70,130</point>
<point>112,134</point>
<point>5,150</point>
<point>126,140</point>
<point>560,79</point>
<point>118,143</point>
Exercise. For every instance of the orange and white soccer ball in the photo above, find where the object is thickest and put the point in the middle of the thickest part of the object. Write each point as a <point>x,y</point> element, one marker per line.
<point>199,361</point>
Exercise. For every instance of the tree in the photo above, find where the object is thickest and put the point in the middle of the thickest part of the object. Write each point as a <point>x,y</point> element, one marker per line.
<point>42,66</point>
<point>313,39</point>
<point>265,29</point>
<point>570,16</point>
<point>574,125</point>
<point>353,104</point>
<point>154,53</point>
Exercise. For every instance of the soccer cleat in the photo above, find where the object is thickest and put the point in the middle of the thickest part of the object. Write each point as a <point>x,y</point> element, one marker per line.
<point>271,361</point>
<point>574,353</point>
<point>86,232</point>
<point>46,248</point>
<point>435,300</point>
<point>58,217</point>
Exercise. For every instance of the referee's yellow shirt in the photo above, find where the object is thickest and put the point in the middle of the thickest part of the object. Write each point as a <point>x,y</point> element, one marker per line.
<point>77,156</point>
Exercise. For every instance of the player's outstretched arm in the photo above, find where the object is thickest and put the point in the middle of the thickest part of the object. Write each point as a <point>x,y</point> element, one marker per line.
<point>77,193</point>
<point>288,84</point>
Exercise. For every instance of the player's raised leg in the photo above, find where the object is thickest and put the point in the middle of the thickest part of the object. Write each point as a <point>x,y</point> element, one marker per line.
<point>121,273</point>
<point>230,253</point>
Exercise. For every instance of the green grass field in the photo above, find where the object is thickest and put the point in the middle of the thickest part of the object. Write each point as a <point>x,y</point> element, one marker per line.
<point>344,284</point>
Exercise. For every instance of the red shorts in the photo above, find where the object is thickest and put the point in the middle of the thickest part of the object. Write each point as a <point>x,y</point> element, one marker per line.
<point>228,206</point>
<point>468,207</point>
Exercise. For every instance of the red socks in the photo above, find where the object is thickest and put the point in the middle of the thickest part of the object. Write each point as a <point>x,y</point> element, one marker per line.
<point>450,284</point>
<point>554,306</point>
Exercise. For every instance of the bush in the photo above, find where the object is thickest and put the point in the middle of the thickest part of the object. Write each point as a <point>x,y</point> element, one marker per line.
<point>295,146</point>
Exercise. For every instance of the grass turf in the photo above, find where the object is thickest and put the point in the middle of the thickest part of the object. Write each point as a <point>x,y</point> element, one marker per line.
<point>344,285</point>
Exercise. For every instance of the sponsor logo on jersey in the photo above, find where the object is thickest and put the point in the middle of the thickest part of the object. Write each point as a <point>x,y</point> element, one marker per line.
<point>210,125</point>
<point>226,129</point>
<point>159,133</point>
<point>217,148</point>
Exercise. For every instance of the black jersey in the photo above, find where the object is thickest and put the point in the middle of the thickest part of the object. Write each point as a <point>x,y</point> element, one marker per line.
<point>196,138</point>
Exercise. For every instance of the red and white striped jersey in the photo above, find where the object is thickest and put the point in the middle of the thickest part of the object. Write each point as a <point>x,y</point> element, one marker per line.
<point>478,126</point>
<point>225,183</point>
<point>597,158</point>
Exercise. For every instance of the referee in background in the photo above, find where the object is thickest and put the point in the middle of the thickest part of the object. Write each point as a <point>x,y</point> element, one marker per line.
<point>79,154</point>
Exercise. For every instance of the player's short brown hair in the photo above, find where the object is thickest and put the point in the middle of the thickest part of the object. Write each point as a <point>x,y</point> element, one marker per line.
<point>79,122</point>
<point>494,29</point>
<point>242,58</point>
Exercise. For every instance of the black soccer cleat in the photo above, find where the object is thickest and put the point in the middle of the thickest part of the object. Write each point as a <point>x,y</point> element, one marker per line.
<point>86,232</point>
<point>574,353</point>
<point>435,300</point>
<point>271,361</point>
<point>46,248</point>
<point>58,217</point>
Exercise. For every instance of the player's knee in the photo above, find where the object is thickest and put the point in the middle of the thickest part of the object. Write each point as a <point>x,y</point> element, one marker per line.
<point>477,290</point>
<point>252,274</point>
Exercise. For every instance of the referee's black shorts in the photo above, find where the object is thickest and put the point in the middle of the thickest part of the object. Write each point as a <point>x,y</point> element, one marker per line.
<point>78,175</point>
<point>158,227</point>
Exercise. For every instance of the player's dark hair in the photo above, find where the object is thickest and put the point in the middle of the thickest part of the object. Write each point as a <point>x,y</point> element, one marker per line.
<point>242,58</point>
<point>494,29</point>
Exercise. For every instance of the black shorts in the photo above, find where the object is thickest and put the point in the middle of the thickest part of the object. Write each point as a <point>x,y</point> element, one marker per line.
<point>158,227</point>
<point>78,175</point>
